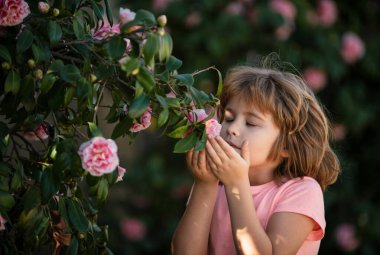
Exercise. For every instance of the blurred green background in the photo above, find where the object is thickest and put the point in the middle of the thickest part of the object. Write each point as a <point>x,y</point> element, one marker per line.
<point>333,44</point>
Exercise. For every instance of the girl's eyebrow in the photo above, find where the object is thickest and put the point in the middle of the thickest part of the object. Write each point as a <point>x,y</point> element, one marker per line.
<point>253,114</point>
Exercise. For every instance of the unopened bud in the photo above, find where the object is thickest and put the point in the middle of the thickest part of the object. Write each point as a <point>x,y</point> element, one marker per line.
<point>43,7</point>
<point>161,31</point>
<point>136,71</point>
<point>93,77</point>
<point>162,20</point>
<point>81,235</point>
<point>55,12</point>
<point>5,65</point>
<point>38,74</point>
<point>31,63</point>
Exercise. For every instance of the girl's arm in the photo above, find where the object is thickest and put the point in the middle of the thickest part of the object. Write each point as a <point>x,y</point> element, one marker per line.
<point>249,236</point>
<point>192,233</point>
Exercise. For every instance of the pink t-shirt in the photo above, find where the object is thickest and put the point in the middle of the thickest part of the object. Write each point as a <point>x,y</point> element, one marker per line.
<point>297,195</point>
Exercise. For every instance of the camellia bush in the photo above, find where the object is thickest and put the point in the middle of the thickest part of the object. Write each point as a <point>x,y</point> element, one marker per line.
<point>58,59</point>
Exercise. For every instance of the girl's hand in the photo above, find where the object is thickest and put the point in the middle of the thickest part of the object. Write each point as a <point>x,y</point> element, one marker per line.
<point>196,161</point>
<point>227,165</point>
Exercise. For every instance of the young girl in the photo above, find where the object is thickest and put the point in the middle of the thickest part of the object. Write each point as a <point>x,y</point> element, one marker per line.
<point>273,160</point>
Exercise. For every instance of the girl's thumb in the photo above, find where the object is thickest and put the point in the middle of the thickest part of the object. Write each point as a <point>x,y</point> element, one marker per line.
<point>245,151</point>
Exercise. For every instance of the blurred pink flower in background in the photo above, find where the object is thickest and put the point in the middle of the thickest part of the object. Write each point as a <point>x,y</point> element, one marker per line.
<point>193,19</point>
<point>105,31</point>
<point>160,5</point>
<point>352,48</point>
<point>345,237</point>
<point>144,121</point>
<point>213,128</point>
<point>315,78</point>
<point>43,7</point>
<point>284,31</point>
<point>2,223</point>
<point>126,15</point>
<point>39,134</point>
<point>326,12</point>
<point>285,8</point>
<point>235,8</point>
<point>13,12</point>
<point>197,115</point>
<point>181,191</point>
<point>133,229</point>
<point>339,131</point>
<point>120,173</point>
<point>99,156</point>
<point>171,95</point>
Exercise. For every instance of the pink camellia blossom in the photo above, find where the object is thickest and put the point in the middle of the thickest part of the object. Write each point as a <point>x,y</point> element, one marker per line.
<point>121,171</point>
<point>126,15</point>
<point>284,31</point>
<point>43,7</point>
<point>213,128</point>
<point>345,237</point>
<point>197,115</point>
<point>326,12</point>
<point>235,8</point>
<point>133,229</point>
<point>352,48</point>
<point>99,156</point>
<point>39,134</point>
<point>285,8</point>
<point>193,19</point>
<point>315,78</point>
<point>339,131</point>
<point>105,31</point>
<point>144,121</point>
<point>160,5</point>
<point>171,95</point>
<point>2,223</point>
<point>13,12</point>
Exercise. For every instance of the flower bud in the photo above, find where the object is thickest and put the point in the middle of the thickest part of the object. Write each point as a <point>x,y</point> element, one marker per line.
<point>55,12</point>
<point>136,71</point>
<point>81,236</point>
<point>31,63</point>
<point>38,74</point>
<point>93,78</point>
<point>161,31</point>
<point>5,65</point>
<point>162,20</point>
<point>43,7</point>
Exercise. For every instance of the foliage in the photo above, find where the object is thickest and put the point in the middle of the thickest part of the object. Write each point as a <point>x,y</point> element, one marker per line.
<point>56,66</point>
<point>226,33</point>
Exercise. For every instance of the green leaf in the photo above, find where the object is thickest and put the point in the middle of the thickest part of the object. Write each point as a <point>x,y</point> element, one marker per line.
<point>109,12</point>
<point>94,130</point>
<point>6,200</point>
<point>150,48</point>
<point>97,11</point>
<point>201,143</point>
<point>47,83</point>
<point>12,83</point>
<point>16,180</point>
<point>73,248</point>
<point>166,47</point>
<point>102,190</point>
<point>84,89</point>
<point>146,79</point>
<point>199,97</point>
<point>121,128</point>
<point>173,63</point>
<point>54,32</point>
<point>78,29</point>
<point>69,95</point>
<point>186,143</point>
<point>162,101</point>
<point>145,17</point>
<point>4,54</point>
<point>163,117</point>
<point>115,47</point>
<point>31,199</point>
<point>70,73</point>
<point>24,41</point>
<point>62,209</point>
<point>185,79</point>
<point>138,106</point>
<point>77,217</point>
<point>131,65</point>
<point>49,184</point>
<point>220,83</point>
<point>179,132</point>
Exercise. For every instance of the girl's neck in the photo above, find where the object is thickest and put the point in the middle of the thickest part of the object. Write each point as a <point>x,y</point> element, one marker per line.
<point>257,177</point>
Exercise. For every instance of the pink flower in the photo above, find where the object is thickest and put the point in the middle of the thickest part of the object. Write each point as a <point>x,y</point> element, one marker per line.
<point>126,15</point>
<point>13,12</point>
<point>105,31</point>
<point>235,8</point>
<point>339,131</point>
<point>37,135</point>
<point>193,19</point>
<point>315,78</point>
<point>284,31</point>
<point>327,12</point>
<point>197,115</point>
<point>121,171</point>
<point>160,5</point>
<point>353,48</point>
<point>2,223</point>
<point>144,121</point>
<point>133,229</point>
<point>181,191</point>
<point>213,128</point>
<point>171,95</point>
<point>43,7</point>
<point>99,156</point>
<point>345,237</point>
<point>285,8</point>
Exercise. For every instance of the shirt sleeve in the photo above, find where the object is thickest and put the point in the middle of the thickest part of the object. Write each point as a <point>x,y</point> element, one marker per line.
<point>304,196</point>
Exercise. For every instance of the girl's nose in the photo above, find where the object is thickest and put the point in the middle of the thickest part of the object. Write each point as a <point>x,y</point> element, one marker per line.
<point>233,129</point>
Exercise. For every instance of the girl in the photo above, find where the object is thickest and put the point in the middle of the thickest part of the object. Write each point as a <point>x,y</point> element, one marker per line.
<point>273,159</point>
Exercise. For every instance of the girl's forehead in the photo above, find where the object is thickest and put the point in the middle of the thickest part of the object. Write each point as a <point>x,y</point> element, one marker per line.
<point>243,104</point>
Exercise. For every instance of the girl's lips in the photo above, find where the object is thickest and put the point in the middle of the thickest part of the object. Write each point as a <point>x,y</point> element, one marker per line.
<point>233,145</point>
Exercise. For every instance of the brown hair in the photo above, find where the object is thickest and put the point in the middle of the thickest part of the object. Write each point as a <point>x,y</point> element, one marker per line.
<point>304,128</point>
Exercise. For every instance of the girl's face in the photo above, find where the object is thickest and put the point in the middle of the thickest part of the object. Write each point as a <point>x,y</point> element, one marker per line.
<point>242,122</point>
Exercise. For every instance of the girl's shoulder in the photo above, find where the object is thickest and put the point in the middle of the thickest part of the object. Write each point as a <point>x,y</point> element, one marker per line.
<point>301,185</point>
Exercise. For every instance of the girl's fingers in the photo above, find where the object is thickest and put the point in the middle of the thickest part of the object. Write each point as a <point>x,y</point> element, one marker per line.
<point>194,162</point>
<point>211,153</point>
<point>202,159</point>
<point>245,152</point>
<point>189,157</point>
<point>227,149</point>
<point>218,150</point>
